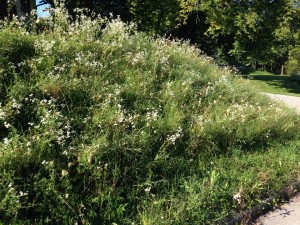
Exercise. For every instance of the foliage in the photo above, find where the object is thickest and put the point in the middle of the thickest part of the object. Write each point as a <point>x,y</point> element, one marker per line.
<point>293,65</point>
<point>295,77</point>
<point>246,32</point>
<point>104,126</point>
<point>150,17</point>
<point>251,31</point>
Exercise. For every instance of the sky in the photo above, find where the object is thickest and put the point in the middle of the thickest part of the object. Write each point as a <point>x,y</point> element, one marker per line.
<point>40,10</point>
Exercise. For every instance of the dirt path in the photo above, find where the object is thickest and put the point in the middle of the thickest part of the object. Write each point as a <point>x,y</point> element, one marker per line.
<point>288,213</point>
<point>291,101</point>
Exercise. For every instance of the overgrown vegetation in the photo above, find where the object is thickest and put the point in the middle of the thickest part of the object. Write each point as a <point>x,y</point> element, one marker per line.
<point>109,126</point>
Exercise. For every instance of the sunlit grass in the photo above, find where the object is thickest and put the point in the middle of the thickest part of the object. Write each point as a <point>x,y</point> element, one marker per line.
<point>274,84</point>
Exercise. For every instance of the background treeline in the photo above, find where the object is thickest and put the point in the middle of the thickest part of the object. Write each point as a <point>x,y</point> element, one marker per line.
<point>247,32</point>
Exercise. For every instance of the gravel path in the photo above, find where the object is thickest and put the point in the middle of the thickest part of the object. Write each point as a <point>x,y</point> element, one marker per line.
<point>291,101</point>
<point>288,213</point>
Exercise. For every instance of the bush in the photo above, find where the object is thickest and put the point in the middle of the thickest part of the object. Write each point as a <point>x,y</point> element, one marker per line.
<point>295,77</point>
<point>293,64</point>
<point>15,48</point>
<point>101,127</point>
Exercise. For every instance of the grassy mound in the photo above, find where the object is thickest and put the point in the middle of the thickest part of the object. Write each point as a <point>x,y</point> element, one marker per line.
<point>109,126</point>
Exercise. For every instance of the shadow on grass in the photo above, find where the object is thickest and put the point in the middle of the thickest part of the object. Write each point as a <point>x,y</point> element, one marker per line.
<point>245,70</point>
<point>278,82</point>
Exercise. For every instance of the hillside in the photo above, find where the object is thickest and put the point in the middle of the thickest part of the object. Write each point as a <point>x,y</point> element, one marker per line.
<point>111,126</point>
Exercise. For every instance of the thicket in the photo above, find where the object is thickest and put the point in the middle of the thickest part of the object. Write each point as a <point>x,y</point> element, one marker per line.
<point>101,124</point>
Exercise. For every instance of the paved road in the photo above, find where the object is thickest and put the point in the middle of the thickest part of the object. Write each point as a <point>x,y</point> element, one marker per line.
<point>288,213</point>
<point>292,101</point>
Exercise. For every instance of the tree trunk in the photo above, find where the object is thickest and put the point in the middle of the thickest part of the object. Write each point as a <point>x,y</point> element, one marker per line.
<point>19,8</point>
<point>271,67</point>
<point>254,65</point>
<point>282,69</point>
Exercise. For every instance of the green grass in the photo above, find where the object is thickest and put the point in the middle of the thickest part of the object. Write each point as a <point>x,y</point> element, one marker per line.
<point>221,186</point>
<point>111,126</point>
<point>275,84</point>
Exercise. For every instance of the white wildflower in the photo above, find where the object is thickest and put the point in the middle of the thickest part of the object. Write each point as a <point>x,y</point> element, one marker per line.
<point>148,189</point>
<point>238,197</point>
<point>7,125</point>
<point>64,173</point>
<point>172,138</point>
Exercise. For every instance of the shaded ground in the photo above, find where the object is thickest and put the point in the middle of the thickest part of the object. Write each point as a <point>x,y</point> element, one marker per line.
<point>268,82</point>
<point>276,84</point>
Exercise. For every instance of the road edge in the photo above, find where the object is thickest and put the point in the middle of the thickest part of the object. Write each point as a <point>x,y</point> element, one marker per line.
<point>248,216</point>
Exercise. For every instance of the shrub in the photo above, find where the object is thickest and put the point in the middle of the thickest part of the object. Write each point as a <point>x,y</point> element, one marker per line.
<point>295,77</point>
<point>15,48</point>
<point>293,64</point>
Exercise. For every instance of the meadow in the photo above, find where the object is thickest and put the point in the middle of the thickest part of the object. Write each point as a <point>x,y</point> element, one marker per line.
<point>101,124</point>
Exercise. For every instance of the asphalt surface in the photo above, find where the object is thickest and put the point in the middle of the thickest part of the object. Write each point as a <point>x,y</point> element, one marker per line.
<point>287,214</point>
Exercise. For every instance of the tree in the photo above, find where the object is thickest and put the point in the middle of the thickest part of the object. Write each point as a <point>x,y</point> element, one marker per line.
<point>243,29</point>
<point>155,16</point>
<point>288,36</point>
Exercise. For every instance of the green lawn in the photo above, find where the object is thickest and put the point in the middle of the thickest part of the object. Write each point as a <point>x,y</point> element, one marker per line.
<point>275,84</point>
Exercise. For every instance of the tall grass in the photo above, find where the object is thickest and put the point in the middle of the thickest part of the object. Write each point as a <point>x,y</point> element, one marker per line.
<point>101,124</point>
